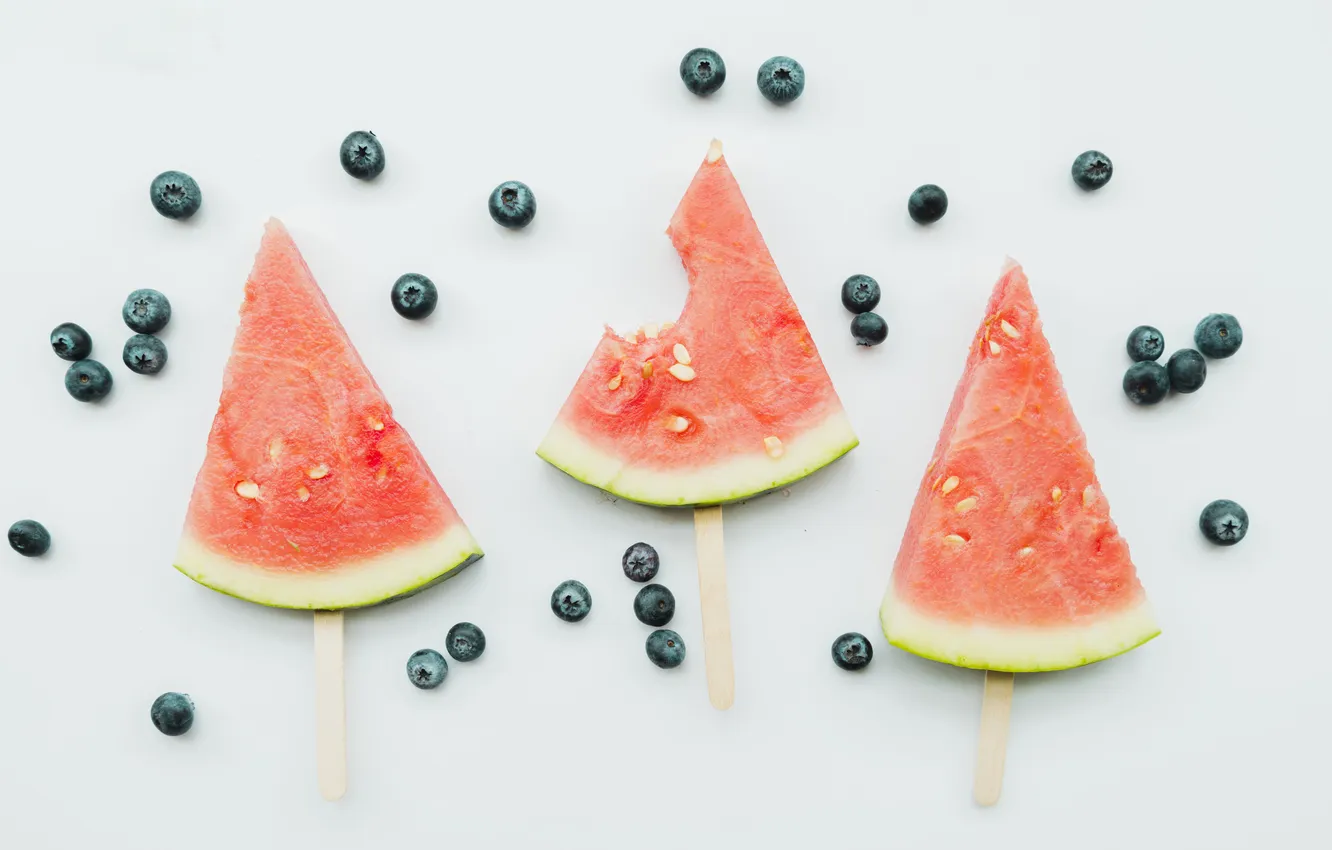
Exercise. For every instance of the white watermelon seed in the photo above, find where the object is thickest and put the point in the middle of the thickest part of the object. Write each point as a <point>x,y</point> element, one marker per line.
<point>247,490</point>
<point>773,446</point>
<point>303,494</point>
<point>965,505</point>
<point>647,369</point>
<point>1056,494</point>
<point>614,383</point>
<point>950,485</point>
<point>650,331</point>
<point>376,425</point>
<point>681,354</point>
<point>1025,551</point>
<point>679,425</point>
<point>665,326</point>
<point>1008,329</point>
<point>954,539</point>
<point>683,372</point>
<point>317,472</point>
<point>994,347</point>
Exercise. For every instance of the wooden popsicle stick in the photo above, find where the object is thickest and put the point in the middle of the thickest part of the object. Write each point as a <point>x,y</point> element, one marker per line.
<point>716,614</point>
<point>330,705</point>
<point>996,706</point>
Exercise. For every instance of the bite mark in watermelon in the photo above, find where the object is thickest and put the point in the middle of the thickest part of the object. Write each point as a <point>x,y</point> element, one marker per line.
<point>1010,560</point>
<point>730,401</point>
<point>311,494</point>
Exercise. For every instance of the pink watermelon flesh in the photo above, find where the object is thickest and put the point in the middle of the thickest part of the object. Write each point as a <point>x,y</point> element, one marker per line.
<point>311,494</point>
<point>1010,560</point>
<point>754,409</point>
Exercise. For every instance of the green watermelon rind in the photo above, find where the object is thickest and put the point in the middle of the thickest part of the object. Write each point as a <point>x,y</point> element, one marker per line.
<point>733,480</point>
<point>360,584</point>
<point>1016,649</point>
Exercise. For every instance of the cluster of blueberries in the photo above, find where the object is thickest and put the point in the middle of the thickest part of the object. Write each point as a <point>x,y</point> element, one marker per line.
<point>860,295</point>
<point>146,312</point>
<point>653,606</point>
<point>1218,336</point>
<point>427,669</point>
<point>781,79</point>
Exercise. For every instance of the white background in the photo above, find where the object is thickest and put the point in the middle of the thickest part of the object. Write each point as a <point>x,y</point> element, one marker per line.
<point>1215,735</point>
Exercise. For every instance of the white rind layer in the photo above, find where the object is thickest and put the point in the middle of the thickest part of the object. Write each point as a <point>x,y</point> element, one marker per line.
<point>1016,649</point>
<point>352,585</point>
<point>730,480</point>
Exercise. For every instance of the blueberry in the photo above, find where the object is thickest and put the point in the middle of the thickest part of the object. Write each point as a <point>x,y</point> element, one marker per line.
<point>173,713</point>
<point>512,205</point>
<point>640,562</point>
<point>1146,382</point>
<point>852,651</point>
<point>1224,523</point>
<point>654,605</point>
<point>146,311</point>
<point>869,329</point>
<point>860,293</point>
<point>144,354</point>
<point>1092,170</point>
<point>927,204</point>
<point>665,649</point>
<point>571,602</point>
<point>703,71</point>
<point>88,380</point>
<point>1145,343</point>
<point>362,155</point>
<point>70,342</point>
<point>465,642</point>
<point>29,538</point>
<point>781,79</point>
<point>414,296</point>
<point>1187,370</point>
<point>1219,335</point>
<point>427,669</point>
<point>175,194</point>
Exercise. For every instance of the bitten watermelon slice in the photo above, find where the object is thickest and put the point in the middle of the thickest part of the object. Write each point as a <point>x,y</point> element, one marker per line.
<point>1010,560</point>
<point>311,494</point>
<point>728,402</point>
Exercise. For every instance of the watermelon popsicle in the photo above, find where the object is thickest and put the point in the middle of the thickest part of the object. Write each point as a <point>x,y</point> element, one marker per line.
<point>730,401</point>
<point>1010,562</point>
<point>311,494</point>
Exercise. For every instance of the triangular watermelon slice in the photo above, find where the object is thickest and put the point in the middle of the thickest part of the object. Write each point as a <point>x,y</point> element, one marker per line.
<point>311,494</point>
<point>728,402</point>
<point>1010,560</point>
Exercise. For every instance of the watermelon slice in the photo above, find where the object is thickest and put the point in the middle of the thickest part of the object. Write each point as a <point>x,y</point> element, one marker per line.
<point>1010,560</point>
<point>730,401</point>
<point>311,494</point>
